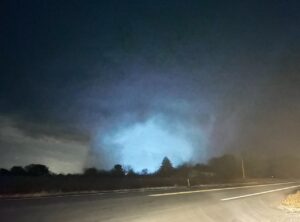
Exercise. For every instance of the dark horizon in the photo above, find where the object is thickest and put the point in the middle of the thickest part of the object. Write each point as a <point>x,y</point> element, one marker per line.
<point>96,83</point>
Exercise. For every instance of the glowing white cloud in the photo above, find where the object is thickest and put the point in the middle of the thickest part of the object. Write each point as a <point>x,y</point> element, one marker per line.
<point>143,145</point>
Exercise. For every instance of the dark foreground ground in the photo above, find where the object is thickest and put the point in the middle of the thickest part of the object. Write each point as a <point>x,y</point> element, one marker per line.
<point>250,203</point>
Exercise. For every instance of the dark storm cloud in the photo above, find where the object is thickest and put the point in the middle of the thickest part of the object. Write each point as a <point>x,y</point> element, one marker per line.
<point>77,72</point>
<point>19,146</point>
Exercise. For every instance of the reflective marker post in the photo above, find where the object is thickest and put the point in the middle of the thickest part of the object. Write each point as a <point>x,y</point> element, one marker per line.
<point>188,183</point>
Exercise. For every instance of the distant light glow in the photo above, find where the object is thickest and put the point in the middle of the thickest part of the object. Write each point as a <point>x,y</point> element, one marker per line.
<point>144,145</point>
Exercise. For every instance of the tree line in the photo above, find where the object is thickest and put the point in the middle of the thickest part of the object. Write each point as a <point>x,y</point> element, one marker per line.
<point>225,167</point>
<point>36,178</point>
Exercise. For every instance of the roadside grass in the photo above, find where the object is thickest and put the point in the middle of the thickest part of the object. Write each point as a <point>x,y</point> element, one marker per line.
<point>292,200</point>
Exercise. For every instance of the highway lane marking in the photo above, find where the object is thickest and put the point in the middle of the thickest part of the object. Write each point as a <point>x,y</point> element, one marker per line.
<point>215,189</point>
<point>259,193</point>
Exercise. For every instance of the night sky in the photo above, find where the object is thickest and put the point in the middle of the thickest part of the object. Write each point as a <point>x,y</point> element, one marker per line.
<point>95,83</point>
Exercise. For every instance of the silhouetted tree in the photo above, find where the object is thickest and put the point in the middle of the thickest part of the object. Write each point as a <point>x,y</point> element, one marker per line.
<point>129,171</point>
<point>202,168</point>
<point>144,172</point>
<point>4,172</point>
<point>104,173</point>
<point>166,167</point>
<point>118,171</point>
<point>37,170</point>
<point>225,167</point>
<point>18,171</point>
<point>183,170</point>
<point>90,171</point>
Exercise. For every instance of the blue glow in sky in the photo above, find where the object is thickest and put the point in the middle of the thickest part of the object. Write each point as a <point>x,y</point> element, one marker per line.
<point>144,145</point>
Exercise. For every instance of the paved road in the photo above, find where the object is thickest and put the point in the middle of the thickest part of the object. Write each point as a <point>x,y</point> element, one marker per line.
<point>250,203</point>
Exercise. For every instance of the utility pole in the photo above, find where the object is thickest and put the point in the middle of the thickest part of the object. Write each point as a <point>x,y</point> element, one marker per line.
<point>243,169</point>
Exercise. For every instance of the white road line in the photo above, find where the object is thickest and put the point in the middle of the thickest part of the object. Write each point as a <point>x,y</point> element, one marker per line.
<point>216,189</point>
<point>259,193</point>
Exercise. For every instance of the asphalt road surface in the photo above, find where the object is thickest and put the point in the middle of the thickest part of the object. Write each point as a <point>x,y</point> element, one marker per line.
<point>249,203</point>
